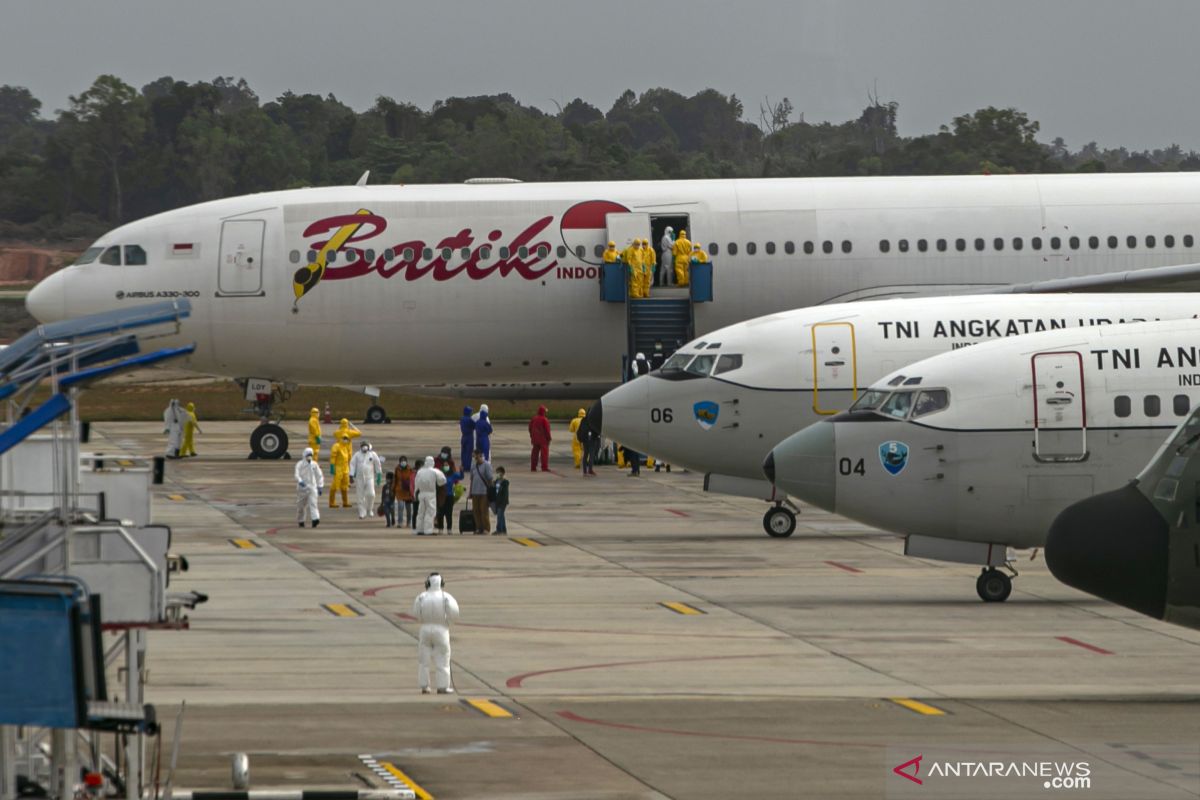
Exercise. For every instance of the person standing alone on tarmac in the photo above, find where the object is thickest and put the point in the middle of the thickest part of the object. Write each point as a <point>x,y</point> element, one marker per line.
<point>173,428</point>
<point>482,481</point>
<point>539,440</point>
<point>435,609</point>
<point>429,478</point>
<point>314,431</point>
<point>501,502</point>
<point>191,426</point>
<point>309,483</point>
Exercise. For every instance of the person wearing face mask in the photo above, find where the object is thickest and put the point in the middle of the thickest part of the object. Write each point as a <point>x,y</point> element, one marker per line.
<point>483,435</point>
<point>447,497</point>
<point>364,474</point>
<point>402,480</point>
<point>309,483</point>
<point>339,467</point>
<point>428,479</point>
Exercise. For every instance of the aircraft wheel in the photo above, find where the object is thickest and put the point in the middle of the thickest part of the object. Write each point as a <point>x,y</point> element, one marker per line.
<point>268,441</point>
<point>993,586</point>
<point>779,522</point>
<point>376,415</point>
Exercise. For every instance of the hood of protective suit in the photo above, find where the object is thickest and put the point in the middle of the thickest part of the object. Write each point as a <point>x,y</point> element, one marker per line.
<point>582,413</point>
<point>345,423</point>
<point>435,583</point>
<point>312,412</point>
<point>191,406</point>
<point>308,451</point>
<point>541,411</point>
<point>429,462</point>
<point>640,357</point>
<point>468,411</point>
<point>483,413</point>
<point>483,408</point>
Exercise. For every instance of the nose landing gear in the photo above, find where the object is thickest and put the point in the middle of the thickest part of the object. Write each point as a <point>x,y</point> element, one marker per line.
<point>993,585</point>
<point>779,522</point>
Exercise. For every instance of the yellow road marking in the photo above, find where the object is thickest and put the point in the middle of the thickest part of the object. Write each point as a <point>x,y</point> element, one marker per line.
<point>341,610</point>
<point>124,462</point>
<point>174,497</point>
<point>527,542</point>
<point>682,608</point>
<point>488,707</point>
<point>398,773</point>
<point>918,706</point>
<point>245,544</point>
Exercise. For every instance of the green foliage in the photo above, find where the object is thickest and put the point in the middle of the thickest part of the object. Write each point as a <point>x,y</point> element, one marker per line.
<point>118,153</point>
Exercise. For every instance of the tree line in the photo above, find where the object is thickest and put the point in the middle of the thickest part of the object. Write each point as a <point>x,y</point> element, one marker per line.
<point>117,153</point>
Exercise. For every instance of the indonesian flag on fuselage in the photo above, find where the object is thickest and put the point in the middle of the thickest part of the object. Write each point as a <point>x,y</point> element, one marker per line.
<point>583,225</point>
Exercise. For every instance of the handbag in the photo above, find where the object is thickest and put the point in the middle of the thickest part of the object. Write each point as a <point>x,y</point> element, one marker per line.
<point>491,486</point>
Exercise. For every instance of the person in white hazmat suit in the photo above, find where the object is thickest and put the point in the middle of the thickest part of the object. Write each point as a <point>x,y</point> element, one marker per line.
<point>429,478</point>
<point>365,474</point>
<point>435,609</point>
<point>666,275</point>
<point>310,480</point>
<point>173,419</point>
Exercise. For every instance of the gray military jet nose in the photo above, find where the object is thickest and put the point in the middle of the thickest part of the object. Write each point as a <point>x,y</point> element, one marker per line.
<point>803,465</point>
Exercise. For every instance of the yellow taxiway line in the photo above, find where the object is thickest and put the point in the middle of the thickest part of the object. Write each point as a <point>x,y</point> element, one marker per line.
<point>918,706</point>
<point>341,610</point>
<point>487,707</point>
<point>681,608</point>
<point>399,775</point>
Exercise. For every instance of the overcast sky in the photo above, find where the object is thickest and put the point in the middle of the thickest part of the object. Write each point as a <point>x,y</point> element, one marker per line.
<point>1115,71</point>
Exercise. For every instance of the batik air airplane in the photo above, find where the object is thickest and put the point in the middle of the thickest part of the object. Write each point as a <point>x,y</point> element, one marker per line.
<point>389,286</point>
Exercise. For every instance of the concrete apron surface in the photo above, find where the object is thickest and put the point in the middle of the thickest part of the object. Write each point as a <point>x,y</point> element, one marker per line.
<point>630,638</point>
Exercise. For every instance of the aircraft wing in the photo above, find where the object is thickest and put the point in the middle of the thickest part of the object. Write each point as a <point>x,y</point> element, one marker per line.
<point>1175,278</point>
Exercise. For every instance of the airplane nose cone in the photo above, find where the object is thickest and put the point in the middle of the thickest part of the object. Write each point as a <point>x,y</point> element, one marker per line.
<point>803,465</point>
<point>47,302</point>
<point>1113,545</point>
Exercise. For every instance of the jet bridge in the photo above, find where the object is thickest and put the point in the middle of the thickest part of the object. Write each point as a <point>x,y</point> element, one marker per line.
<point>75,563</point>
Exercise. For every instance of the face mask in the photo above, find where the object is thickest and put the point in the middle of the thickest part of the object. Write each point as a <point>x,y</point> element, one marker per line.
<point>363,449</point>
<point>403,463</point>
<point>309,458</point>
<point>446,469</point>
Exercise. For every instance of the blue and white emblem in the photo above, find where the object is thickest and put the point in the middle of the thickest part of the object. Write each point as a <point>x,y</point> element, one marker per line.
<point>706,412</point>
<point>893,456</point>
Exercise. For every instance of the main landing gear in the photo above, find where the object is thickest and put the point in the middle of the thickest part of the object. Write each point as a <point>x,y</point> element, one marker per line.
<point>779,522</point>
<point>376,415</point>
<point>993,585</point>
<point>269,441</point>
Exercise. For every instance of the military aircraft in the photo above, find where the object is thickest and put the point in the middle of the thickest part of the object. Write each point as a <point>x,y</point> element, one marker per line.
<point>499,282</point>
<point>975,451</point>
<point>1139,546</point>
<point>723,401</point>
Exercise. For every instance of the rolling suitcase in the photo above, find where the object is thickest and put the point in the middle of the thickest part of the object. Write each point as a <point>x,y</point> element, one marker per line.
<point>466,521</point>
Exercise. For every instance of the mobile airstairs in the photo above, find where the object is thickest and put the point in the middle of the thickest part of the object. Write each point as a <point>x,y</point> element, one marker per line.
<point>83,572</point>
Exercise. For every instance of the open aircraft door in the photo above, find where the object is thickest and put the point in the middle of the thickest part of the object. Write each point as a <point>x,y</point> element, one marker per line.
<point>239,273</point>
<point>624,228</point>
<point>1059,407</point>
<point>834,364</point>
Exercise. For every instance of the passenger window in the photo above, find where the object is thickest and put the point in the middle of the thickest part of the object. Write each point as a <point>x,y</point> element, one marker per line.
<point>543,251</point>
<point>407,254</point>
<point>89,255</point>
<point>847,246</point>
<point>523,251</point>
<point>1122,405</point>
<point>1150,241</point>
<point>331,257</point>
<point>504,251</point>
<point>293,257</point>
<point>427,254</point>
<point>884,245</point>
<point>701,365</point>
<point>1017,243</point>
<point>370,255</point>
<point>1036,243</point>
<point>447,254</point>
<point>897,405</point>
<point>599,250</point>
<point>1181,404</point>
<point>922,245</point>
<point>562,251</point>
<point>1112,242</point>
<point>485,252</point>
<point>980,244</point>
<point>728,363</point>
<point>960,245</point>
<point>808,248</point>
<point>903,245</point>
<point>1188,241</point>
<point>789,247</point>
<point>1055,243</point>
<point>1094,242</point>
<point>751,248</point>
<point>1169,240</point>
<point>1151,405</point>
<point>112,256</point>
<point>930,402</point>
<point>941,245</point>
<point>770,247</point>
<point>998,243</point>
<point>713,248</point>
<point>1131,242</point>
<point>312,256</point>
<point>732,248</point>
<point>1074,242</point>
<point>826,246</point>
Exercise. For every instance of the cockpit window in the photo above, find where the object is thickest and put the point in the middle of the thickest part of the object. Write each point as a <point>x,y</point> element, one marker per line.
<point>135,256</point>
<point>897,405</point>
<point>915,381</point>
<point>677,362</point>
<point>931,401</point>
<point>89,255</point>
<point>870,400</point>
<point>701,365</point>
<point>728,363</point>
<point>700,345</point>
<point>112,256</point>
<point>896,381</point>
<point>714,346</point>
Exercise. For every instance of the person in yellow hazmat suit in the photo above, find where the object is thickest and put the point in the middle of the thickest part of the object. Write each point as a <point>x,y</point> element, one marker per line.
<point>632,256</point>
<point>682,250</point>
<point>314,432</point>
<point>698,254</point>
<point>190,428</point>
<point>339,467</point>
<point>576,446</point>
<point>346,428</point>
<point>648,263</point>
<point>611,254</point>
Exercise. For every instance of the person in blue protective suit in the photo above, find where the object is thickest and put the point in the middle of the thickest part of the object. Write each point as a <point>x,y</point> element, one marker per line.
<point>466,441</point>
<point>483,433</point>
